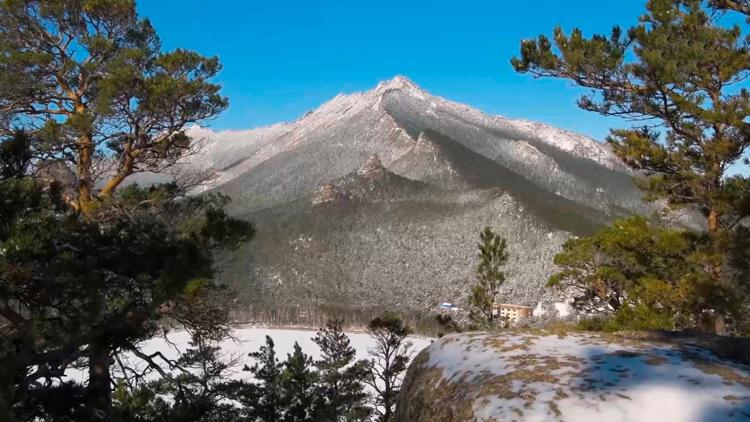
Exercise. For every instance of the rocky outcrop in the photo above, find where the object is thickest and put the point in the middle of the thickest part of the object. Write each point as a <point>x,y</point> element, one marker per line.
<point>539,376</point>
<point>327,194</point>
<point>371,183</point>
<point>373,169</point>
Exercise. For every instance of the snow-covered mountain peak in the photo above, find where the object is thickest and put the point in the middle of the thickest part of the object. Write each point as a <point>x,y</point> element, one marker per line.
<point>398,82</point>
<point>388,120</point>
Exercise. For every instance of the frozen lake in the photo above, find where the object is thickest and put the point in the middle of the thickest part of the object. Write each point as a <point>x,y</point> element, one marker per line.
<point>249,339</point>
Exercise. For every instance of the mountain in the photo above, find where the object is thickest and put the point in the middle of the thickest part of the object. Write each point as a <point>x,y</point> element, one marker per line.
<point>376,200</point>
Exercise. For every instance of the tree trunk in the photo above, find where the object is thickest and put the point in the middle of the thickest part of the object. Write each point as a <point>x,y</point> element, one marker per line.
<point>720,325</point>
<point>719,320</point>
<point>99,388</point>
<point>125,170</point>
<point>85,184</point>
<point>112,184</point>
<point>713,231</point>
<point>387,403</point>
<point>713,222</point>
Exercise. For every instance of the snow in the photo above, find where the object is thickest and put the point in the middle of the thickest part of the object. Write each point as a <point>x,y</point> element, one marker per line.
<point>563,309</point>
<point>249,339</point>
<point>587,378</point>
<point>557,309</point>
<point>232,153</point>
<point>566,141</point>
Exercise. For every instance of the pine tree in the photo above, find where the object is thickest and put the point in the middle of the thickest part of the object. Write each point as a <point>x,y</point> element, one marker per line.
<point>89,84</point>
<point>198,387</point>
<point>492,256</point>
<point>263,400</point>
<point>71,287</point>
<point>89,78</point>
<point>680,72</point>
<point>639,275</point>
<point>298,393</point>
<point>390,356</point>
<point>341,382</point>
<point>15,155</point>
<point>197,392</point>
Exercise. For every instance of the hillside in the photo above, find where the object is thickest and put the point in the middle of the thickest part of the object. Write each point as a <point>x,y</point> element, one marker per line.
<point>404,237</point>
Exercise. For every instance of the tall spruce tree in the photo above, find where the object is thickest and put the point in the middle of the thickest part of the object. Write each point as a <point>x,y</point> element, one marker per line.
<point>492,256</point>
<point>263,399</point>
<point>299,397</point>
<point>680,72</point>
<point>341,377</point>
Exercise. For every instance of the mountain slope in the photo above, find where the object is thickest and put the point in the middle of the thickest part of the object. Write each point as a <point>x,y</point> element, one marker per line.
<point>376,199</point>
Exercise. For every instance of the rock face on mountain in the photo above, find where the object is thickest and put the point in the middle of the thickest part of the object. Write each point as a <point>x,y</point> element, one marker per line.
<point>372,183</point>
<point>327,194</point>
<point>527,376</point>
<point>372,169</point>
<point>376,199</point>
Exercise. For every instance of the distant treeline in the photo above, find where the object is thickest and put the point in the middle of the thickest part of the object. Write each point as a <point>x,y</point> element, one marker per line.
<point>317,315</point>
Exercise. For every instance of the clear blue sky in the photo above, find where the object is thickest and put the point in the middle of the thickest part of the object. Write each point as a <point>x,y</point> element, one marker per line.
<point>282,58</point>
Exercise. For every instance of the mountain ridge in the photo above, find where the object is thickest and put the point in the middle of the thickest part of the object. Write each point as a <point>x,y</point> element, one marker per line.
<point>342,104</point>
<point>405,238</point>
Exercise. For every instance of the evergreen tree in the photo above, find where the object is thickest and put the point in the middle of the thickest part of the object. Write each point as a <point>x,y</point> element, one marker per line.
<point>197,386</point>
<point>492,256</point>
<point>71,287</point>
<point>298,394</point>
<point>644,277</point>
<point>89,84</point>
<point>197,390</point>
<point>680,70</point>
<point>89,78</point>
<point>341,383</point>
<point>263,399</point>
<point>15,155</point>
<point>390,357</point>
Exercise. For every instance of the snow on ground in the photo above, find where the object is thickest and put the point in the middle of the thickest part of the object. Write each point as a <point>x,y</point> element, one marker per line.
<point>247,340</point>
<point>585,377</point>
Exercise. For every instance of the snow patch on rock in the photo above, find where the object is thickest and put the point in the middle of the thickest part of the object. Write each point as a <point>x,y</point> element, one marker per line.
<point>579,376</point>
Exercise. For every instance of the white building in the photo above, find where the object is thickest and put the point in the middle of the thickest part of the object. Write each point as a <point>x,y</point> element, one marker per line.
<point>512,313</point>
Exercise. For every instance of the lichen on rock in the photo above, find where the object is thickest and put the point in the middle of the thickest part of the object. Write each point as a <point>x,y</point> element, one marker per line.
<point>539,376</point>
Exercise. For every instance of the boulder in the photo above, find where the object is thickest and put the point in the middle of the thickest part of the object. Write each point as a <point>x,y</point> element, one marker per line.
<point>575,376</point>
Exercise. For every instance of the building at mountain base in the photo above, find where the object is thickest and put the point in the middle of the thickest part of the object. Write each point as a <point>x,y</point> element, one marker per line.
<point>512,313</point>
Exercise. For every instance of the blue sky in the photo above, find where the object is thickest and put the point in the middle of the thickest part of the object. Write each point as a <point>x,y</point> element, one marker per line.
<point>282,58</point>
